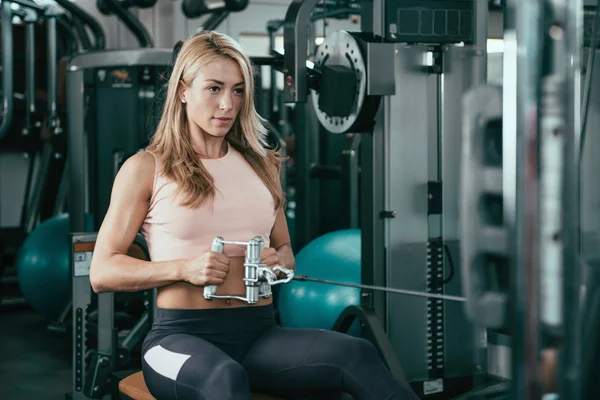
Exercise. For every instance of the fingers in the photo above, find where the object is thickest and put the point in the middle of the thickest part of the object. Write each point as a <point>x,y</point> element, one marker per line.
<point>269,257</point>
<point>271,261</point>
<point>215,274</point>
<point>219,261</point>
<point>215,268</point>
<point>216,277</point>
<point>222,258</point>
<point>214,281</point>
<point>268,252</point>
<point>216,265</point>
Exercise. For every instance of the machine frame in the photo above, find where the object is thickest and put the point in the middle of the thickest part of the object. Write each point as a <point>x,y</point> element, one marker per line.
<point>96,371</point>
<point>409,174</point>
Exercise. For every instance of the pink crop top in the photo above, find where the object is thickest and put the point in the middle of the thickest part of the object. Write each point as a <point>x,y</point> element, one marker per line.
<point>242,209</point>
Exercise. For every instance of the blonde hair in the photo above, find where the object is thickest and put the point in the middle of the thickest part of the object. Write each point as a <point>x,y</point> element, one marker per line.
<point>171,143</point>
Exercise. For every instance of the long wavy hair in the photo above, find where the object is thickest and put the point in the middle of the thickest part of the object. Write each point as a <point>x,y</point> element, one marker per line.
<point>171,142</point>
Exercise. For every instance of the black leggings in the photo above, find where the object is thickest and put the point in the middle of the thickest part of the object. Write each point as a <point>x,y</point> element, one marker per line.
<point>224,354</point>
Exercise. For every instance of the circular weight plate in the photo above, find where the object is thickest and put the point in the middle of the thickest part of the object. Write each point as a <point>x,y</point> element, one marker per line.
<point>340,48</point>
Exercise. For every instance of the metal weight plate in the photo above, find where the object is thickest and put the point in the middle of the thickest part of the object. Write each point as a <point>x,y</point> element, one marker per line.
<point>341,48</point>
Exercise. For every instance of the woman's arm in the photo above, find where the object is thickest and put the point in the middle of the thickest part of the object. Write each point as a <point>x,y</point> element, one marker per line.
<point>280,251</point>
<point>280,241</point>
<point>112,270</point>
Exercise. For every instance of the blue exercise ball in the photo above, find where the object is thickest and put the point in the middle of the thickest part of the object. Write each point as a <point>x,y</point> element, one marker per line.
<point>43,267</point>
<point>333,256</point>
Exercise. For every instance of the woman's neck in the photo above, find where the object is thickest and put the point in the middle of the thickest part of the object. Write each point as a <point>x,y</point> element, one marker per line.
<point>207,146</point>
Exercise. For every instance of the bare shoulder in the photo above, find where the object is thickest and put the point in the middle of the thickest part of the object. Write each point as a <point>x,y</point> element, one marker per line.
<point>142,162</point>
<point>137,171</point>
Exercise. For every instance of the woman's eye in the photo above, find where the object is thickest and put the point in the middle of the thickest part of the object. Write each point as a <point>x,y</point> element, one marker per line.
<point>213,88</point>
<point>239,91</point>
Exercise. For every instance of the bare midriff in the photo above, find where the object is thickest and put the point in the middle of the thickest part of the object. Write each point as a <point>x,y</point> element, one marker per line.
<point>182,295</point>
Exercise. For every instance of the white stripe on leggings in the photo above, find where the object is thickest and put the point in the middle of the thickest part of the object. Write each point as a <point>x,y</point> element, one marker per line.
<point>165,362</point>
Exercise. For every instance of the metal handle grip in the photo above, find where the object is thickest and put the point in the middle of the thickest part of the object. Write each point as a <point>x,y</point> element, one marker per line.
<point>217,246</point>
<point>258,278</point>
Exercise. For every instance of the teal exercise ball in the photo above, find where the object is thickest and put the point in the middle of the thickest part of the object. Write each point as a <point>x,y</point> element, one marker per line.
<point>43,267</point>
<point>333,256</point>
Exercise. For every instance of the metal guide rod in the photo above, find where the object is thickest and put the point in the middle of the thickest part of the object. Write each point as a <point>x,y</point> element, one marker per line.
<point>52,13</point>
<point>300,277</point>
<point>295,44</point>
<point>6,35</point>
<point>524,26</point>
<point>569,375</point>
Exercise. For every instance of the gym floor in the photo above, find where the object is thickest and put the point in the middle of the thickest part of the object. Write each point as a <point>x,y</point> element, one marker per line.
<point>34,363</point>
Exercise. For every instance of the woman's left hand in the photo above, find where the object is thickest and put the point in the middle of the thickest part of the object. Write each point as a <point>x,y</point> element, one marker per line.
<point>270,258</point>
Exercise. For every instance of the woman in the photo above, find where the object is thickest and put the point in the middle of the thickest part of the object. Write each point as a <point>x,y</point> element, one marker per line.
<point>207,173</point>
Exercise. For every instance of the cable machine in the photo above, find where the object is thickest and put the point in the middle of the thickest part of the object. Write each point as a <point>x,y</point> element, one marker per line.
<point>400,98</point>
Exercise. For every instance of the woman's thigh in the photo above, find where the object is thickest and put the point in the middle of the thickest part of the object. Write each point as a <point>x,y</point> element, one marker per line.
<point>307,361</point>
<point>185,367</point>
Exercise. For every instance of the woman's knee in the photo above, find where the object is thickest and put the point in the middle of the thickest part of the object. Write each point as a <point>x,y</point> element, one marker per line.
<point>366,347</point>
<point>200,379</point>
<point>363,350</point>
<point>347,349</point>
<point>227,380</point>
<point>228,372</point>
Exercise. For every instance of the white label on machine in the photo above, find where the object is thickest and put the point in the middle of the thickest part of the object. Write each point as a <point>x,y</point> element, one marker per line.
<point>82,262</point>
<point>432,387</point>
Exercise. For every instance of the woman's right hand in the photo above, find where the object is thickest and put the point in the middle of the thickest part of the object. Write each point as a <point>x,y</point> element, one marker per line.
<point>208,268</point>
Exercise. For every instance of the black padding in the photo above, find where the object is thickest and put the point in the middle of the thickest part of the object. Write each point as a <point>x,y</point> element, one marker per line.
<point>198,8</point>
<point>236,5</point>
<point>338,90</point>
<point>144,3</point>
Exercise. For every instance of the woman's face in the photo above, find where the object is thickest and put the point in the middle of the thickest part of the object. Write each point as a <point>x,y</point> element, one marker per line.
<point>214,99</point>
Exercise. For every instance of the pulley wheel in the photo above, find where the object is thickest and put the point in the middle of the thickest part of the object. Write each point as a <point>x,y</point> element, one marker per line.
<point>340,101</point>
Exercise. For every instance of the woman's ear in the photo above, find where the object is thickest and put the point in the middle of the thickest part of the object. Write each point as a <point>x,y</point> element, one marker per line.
<point>181,91</point>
